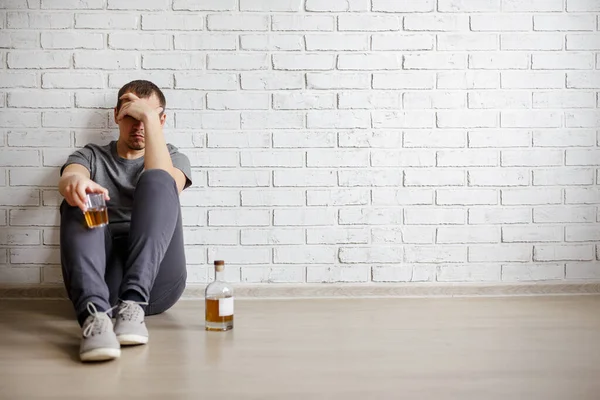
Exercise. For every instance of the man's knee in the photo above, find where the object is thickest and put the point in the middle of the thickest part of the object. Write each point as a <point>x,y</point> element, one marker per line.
<point>156,176</point>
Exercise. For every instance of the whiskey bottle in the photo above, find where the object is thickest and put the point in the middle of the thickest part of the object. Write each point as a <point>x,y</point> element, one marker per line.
<point>219,301</point>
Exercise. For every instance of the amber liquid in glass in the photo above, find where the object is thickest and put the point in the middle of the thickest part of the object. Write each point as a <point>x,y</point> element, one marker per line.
<point>96,217</point>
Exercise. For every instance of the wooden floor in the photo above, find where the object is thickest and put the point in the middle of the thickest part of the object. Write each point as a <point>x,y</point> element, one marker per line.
<point>480,348</point>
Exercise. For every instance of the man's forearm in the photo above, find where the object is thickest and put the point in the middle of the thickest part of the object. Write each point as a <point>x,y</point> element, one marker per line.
<point>156,155</point>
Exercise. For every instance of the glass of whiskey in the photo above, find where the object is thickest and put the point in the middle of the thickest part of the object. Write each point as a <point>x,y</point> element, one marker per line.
<point>96,214</point>
<point>219,301</point>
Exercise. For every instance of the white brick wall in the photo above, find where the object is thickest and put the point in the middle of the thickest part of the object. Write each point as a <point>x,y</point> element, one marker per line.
<point>330,140</point>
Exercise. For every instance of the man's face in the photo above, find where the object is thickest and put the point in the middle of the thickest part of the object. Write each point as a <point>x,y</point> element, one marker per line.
<point>131,131</point>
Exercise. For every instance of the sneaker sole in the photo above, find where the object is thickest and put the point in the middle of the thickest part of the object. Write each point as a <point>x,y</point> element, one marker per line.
<point>132,340</point>
<point>100,354</point>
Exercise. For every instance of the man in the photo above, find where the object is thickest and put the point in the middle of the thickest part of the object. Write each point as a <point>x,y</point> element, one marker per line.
<point>138,259</point>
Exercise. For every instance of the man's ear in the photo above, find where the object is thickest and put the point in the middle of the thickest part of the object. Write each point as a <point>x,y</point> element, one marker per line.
<point>115,115</point>
<point>163,119</point>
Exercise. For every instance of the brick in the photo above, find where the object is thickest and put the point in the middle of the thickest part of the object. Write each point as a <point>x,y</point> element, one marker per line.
<point>353,178</point>
<point>564,99</point>
<point>468,80</point>
<point>564,214</point>
<point>406,234</point>
<point>33,20</point>
<point>408,6</point>
<point>563,176</point>
<point>370,216</point>
<point>404,273</point>
<point>237,101</point>
<point>404,42</point>
<point>239,217</point>
<point>34,217</point>
<point>582,196</point>
<point>582,41</point>
<point>325,80</point>
<point>304,217</point>
<point>406,158</point>
<point>331,42</point>
<point>213,158</point>
<point>272,236</point>
<point>467,119</point>
<point>272,80</point>
<point>26,138</point>
<point>239,140</point>
<point>401,197</point>
<point>287,274</point>
<point>434,177</point>
<point>303,139</point>
<point>582,234</point>
<point>302,23</point>
<point>337,197</point>
<point>241,22</point>
<point>534,272</point>
<point>435,61</point>
<point>499,253</point>
<point>19,119</point>
<point>582,157</point>
<point>467,42</point>
<point>280,158</point>
<point>337,236</point>
<point>211,198</point>
<point>74,119</point>
<point>434,216</point>
<point>303,101</point>
<point>105,60</point>
<point>504,138</point>
<point>40,100</point>
<point>72,80</point>
<point>434,254</point>
<point>19,275</point>
<point>406,80</point>
<point>568,252</point>
<point>528,234</point>
<point>272,119</point>
<point>564,22</point>
<point>368,100</point>
<point>271,5</point>
<point>205,5</point>
<point>72,4</point>
<point>54,157</point>
<point>18,80</point>
<point>208,120</point>
<point>532,5</point>
<point>146,5</point>
<point>464,158</point>
<point>154,22</point>
<point>337,158</point>
<point>304,178</point>
<point>531,196</point>
<point>33,176</point>
<point>531,158</point>
<point>582,5</point>
<point>582,119</point>
<point>532,80</point>
<point>434,100</point>
<point>468,273</point>
<point>365,62</point>
<point>139,41</point>
<point>19,40</point>
<point>68,40</point>
<point>467,234</point>
<point>240,255</point>
<point>19,197</point>
<point>504,215</point>
<point>192,216</point>
<point>338,119</point>
<point>300,62</point>
<point>183,99</point>
<point>499,60</point>
<point>500,23</point>
<point>498,177</point>
<point>583,80</point>
<point>238,178</point>
<point>355,273</point>
<point>562,61</point>
<point>243,62</point>
<point>352,255</point>
<point>205,236</point>
<point>52,198</point>
<point>398,119</point>
<point>16,4</point>
<point>19,237</point>
<point>162,79</point>
<point>467,197</point>
<point>337,5</point>
<point>436,22</point>
<point>205,41</point>
<point>364,22</point>
<point>206,81</point>
<point>583,270</point>
<point>272,42</point>
<point>499,99</point>
<point>39,60</point>
<point>111,21</point>
<point>373,139</point>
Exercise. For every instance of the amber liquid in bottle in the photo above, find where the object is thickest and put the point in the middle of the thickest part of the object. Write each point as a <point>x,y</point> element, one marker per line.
<point>219,302</point>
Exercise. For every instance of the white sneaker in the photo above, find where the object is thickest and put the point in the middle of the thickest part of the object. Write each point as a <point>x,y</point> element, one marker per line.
<point>130,327</point>
<point>99,342</point>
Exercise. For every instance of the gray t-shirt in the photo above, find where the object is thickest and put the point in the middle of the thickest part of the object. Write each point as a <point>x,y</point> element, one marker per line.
<point>120,176</point>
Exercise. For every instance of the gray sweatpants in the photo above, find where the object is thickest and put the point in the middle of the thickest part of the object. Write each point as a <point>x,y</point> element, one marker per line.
<point>98,265</point>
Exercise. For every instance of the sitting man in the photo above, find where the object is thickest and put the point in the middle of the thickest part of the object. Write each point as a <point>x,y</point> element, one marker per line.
<point>138,259</point>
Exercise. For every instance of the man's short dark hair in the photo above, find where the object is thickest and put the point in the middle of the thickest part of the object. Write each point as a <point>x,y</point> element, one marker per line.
<point>143,89</point>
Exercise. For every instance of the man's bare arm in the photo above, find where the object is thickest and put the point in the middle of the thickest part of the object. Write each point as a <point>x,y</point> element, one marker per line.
<point>75,183</point>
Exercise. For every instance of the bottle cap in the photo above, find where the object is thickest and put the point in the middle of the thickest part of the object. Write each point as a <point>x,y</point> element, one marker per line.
<point>219,262</point>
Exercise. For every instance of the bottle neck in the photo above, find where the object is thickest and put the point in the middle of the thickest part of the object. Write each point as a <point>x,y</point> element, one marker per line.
<point>220,275</point>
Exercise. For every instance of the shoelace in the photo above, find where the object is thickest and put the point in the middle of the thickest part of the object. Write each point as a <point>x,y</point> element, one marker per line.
<point>98,323</point>
<point>128,310</point>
